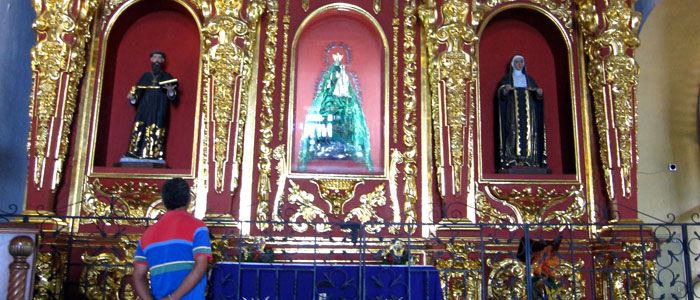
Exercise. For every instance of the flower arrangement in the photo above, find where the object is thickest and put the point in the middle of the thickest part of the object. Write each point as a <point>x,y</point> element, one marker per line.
<point>258,252</point>
<point>545,262</point>
<point>397,254</point>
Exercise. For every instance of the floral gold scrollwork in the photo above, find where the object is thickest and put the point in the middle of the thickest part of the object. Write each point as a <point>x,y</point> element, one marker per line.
<point>58,60</point>
<point>628,276</point>
<point>460,276</point>
<point>337,192</point>
<point>395,76</point>
<point>228,66</point>
<point>410,128</point>
<point>104,274</point>
<point>507,280</point>
<point>450,77</point>
<point>612,76</point>
<point>218,247</point>
<point>285,58</point>
<point>488,213</point>
<point>531,204</point>
<point>110,6</point>
<point>367,210</point>
<point>561,9</point>
<point>50,274</point>
<point>266,119</point>
<point>396,158</point>
<point>127,200</point>
<point>307,210</point>
<point>279,155</point>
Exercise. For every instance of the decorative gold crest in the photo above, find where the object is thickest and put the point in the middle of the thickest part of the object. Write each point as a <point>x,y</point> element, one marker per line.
<point>530,205</point>
<point>337,192</point>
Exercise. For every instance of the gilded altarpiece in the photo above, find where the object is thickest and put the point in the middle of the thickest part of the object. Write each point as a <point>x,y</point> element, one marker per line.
<point>422,74</point>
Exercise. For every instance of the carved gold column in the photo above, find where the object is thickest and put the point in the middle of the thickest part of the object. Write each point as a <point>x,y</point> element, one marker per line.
<point>266,116</point>
<point>610,38</point>
<point>451,79</point>
<point>228,59</point>
<point>58,60</point>
<point>20,248</point>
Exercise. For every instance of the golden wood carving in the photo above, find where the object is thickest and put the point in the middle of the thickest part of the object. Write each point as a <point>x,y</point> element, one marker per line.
<point>104,273</point>
<point>279,154</point>
<point>127,200</point>
<point>110,6</point>
<point>451,76</point>
<point>395,77</point>
<point>50,274</point>
<point>306,210</point>
<point>337,192</point>
<point>377,6</point>
<point>266,119</point>
<point>428,16</point>
<point>561,9</point>
<point>460,276</point>
<point>612,76</point>
<point>410,128</point>
<point>368,210</point>
<point>396,158</point>
<point>305,5</point>
<point>530,205</point>
<point>633,275</point>
<point>285,59</point>
<point>507,280</point>
<point>58,60</point>
<point>228,66</point>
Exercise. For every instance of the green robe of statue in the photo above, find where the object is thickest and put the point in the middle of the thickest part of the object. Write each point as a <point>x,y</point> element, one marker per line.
<point>335,126</point>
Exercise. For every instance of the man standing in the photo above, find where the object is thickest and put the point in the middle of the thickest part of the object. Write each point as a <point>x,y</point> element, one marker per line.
<point>151,96</point>
<point>175,250</point>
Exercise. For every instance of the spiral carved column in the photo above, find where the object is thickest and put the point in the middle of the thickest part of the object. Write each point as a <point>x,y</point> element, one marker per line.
<point>20,248</point>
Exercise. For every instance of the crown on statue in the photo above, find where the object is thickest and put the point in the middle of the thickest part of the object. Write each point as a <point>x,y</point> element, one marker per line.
<point>337,57</point>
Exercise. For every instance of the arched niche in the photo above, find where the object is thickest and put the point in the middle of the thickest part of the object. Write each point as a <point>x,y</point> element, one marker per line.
<point>526,31</point>
<point>353,32</point>
<point>132,34</point>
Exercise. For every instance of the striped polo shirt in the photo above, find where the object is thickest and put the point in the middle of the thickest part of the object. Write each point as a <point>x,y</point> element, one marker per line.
<point>169,247</point>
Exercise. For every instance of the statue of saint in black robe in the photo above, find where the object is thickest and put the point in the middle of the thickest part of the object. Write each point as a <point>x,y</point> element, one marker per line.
<point>521,136</point>
<point>152,101</point>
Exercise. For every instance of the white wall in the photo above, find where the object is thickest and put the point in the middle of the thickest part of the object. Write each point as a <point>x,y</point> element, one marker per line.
<point>669,80</point>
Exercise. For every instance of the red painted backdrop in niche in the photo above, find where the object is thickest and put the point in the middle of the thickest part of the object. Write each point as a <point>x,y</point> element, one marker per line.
<point>365,46</point>
<point>531,34</point>
<point>142,28</point>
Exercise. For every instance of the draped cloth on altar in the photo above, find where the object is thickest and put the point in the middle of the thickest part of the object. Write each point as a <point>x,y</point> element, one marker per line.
<point>302,281</point>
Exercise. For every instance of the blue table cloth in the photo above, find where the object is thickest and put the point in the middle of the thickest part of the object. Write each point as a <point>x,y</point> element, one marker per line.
<point>264,281</point>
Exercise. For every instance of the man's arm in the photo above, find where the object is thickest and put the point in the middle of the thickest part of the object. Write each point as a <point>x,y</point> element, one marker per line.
<point>141,282</point>
<point>191,280</point>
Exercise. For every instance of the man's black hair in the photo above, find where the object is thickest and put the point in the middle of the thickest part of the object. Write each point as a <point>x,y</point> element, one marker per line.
<point>157,52</point>
<point>176,193</point>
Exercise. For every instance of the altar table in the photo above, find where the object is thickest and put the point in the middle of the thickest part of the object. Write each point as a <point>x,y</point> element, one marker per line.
<point>265,281</point>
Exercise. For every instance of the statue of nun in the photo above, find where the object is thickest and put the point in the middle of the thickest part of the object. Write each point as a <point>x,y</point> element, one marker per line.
<point>522,140</point>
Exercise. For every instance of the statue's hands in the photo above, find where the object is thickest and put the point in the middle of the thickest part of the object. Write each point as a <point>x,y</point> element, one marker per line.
<point>169,88</point>
<point>131,97</point>
<point>508,87</point>
<point>539,91</point>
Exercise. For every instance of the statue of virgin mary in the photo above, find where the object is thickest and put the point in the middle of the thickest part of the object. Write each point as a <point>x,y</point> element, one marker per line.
<point>335,126</point>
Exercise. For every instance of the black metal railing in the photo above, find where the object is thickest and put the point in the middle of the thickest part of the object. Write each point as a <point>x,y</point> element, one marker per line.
<point>91,258</point>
